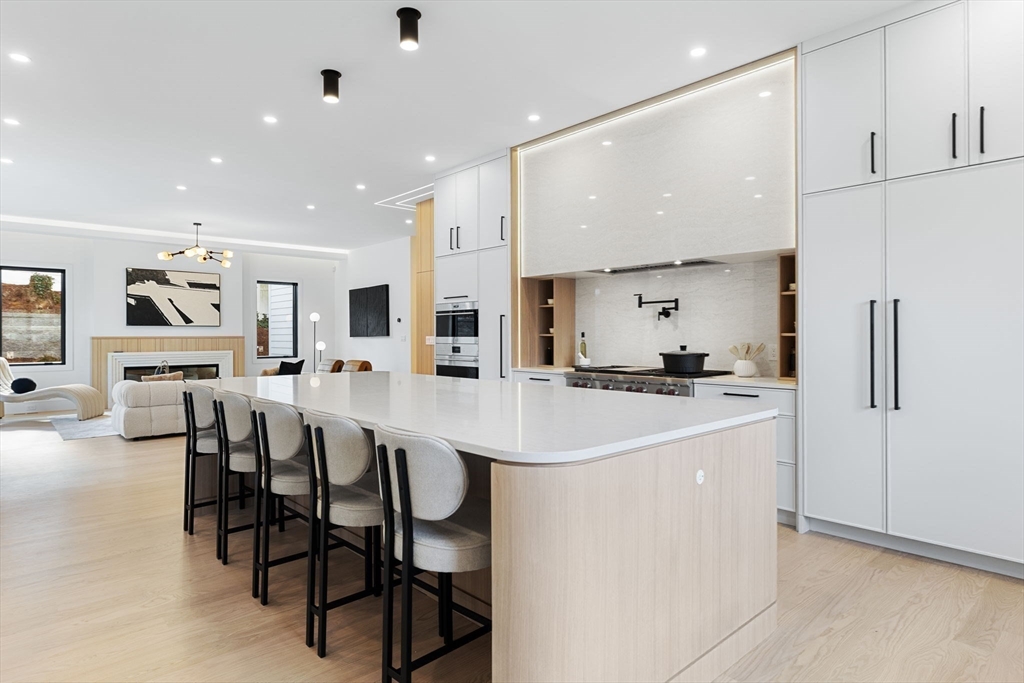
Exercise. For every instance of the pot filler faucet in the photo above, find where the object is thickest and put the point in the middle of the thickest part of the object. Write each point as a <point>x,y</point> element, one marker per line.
<point>665,311</point>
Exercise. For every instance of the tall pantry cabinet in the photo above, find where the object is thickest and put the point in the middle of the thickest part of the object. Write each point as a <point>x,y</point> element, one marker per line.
<point>912,286</point>
<point>471,236</point>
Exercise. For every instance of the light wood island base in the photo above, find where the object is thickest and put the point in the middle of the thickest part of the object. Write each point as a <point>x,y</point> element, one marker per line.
<point>628,569</point>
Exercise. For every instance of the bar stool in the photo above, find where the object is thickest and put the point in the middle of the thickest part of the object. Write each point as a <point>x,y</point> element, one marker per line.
<point>450,533</point>
<point>200,440</point>
<point>282,469</point>
<point>350,494</point>
<point>237,456</point>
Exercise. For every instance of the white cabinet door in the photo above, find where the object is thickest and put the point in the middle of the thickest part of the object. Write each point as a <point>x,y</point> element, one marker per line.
<point>956,447</point>
<point>996,69</point>
<point>926,93</point>
<point>467,216</point>
<point>844,113</point>
<point>445,208</point>
<point>494,201</point>
<point>494,313</point>
<point>455,278</point>
<point>844,445</point>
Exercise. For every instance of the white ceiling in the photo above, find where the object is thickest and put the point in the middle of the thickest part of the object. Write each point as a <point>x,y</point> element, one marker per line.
<point>125,100</point>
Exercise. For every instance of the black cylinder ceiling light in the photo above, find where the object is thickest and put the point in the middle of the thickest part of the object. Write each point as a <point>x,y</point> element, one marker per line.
<point>331,78</point>
<point>409,28</point>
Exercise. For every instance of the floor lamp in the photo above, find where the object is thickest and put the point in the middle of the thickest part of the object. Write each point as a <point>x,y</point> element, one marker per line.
<point>313,317</point>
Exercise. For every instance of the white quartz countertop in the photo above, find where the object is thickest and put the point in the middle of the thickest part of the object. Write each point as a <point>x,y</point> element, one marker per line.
<point>760,382</point>
<point>507,421</point>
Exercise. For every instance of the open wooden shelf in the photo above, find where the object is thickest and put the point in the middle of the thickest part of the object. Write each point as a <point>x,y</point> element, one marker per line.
<point>787,318</point>
<point>544,349</point>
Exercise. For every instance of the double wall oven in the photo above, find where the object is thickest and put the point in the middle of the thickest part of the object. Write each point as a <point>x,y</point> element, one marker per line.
<point>457,340</point>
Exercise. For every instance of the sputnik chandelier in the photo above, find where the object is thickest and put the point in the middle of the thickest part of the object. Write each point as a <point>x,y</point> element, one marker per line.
<point>201,254</point>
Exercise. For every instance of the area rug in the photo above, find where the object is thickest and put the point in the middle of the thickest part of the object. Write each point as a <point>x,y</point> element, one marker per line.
<point>70,428</point>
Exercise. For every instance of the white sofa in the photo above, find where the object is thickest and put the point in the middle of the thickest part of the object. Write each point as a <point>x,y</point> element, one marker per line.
<point>148,408</point>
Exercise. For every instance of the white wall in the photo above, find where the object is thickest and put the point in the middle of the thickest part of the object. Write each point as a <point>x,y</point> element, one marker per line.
<point>316,280</point>
<point>717,309</point>
<point>386,263</point>
<point>95,298</point>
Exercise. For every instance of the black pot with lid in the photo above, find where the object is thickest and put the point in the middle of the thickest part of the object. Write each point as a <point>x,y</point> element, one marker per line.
<point>683,361</point>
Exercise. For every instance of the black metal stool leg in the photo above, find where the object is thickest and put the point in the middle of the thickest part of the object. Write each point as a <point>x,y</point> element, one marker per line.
<point>241,490</point>
<point>314,553</point>
<point>321,617</point>
<point>192,495</point>
<point>265,546</point>
<point>256,531</point>
<point>388,537</point>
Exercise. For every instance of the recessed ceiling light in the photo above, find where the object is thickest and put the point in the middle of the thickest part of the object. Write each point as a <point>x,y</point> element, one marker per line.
<point>660,212</point>
<point>606,143</point>
<point>607,270</point>
<point>593,196</point>
<point>533,117</point>
<point>749,177</point>
<point>12,122</point>
<point>5,160</point>
<point>429,157</point>
<point>698,52</point>
<point>360,187</point>
<point>216,160</point>
<point>408,221</point>
<point>310,207</point>
<point>757,196</point>
<point>677,262</point>
<point>19,58</point>
<point>181,187</point>
<point>667,194</point>
<point>270,119</point>
<point>766,93</point>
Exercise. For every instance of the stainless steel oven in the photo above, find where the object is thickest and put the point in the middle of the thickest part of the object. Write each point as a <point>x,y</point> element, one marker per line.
<point>456,340</point>
<point>457,323</point>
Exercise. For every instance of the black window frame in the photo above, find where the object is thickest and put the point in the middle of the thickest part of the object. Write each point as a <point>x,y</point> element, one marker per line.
<point>295,319</point>
<point>63,315</point>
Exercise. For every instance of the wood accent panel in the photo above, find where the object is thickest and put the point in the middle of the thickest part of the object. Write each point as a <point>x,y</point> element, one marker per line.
<point>847,611</point>
<point>101,346</point>
<point>787,315</point>
<point>422,298</point>
<point>732,648</point>
<point>634,570</point>
<point>517,284</point>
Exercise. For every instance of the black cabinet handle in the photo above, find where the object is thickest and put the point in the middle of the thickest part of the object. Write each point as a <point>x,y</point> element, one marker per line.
<point>503,218</point>
<point>539,379</point>
<point>501,346</point>
<point>873,151</point>
<point>451,231</point>
<point>896,353</point>
<point>871,348</point>
<point>982,126</point>
<point>954,136</point>
<point>726,393</point>
<point>457,237</point>
<point>460,296</point>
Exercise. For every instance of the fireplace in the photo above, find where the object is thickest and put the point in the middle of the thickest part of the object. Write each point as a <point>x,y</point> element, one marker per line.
<point>189,372</point>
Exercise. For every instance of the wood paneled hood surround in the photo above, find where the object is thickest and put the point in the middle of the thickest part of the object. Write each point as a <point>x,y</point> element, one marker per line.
<point>707,171</point>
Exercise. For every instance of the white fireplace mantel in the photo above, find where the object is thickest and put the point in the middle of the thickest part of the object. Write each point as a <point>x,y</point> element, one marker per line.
<point>117,362</point>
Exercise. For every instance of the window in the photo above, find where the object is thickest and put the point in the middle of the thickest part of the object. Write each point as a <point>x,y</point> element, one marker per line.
<point>32,315</point>
<point>277,319</point>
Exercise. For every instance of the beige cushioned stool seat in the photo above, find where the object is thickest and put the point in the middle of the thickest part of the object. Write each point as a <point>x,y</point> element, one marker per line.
<point>290,477</point>
<point>357,504</point>
<point>242,458</point>
<point>460,543</point>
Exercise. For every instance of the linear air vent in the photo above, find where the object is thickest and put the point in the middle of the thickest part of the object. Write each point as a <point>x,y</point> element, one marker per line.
<point>657,266</point>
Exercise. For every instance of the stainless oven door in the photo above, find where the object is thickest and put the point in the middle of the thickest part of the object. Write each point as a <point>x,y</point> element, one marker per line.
<point>457,367</point>
<point>457,323</point>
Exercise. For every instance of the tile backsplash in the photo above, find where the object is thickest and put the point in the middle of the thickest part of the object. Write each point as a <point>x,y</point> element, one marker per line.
<point>719,305</point>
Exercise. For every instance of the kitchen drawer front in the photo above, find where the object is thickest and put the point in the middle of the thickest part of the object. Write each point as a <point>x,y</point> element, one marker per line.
<point>785,439</point>
<point>785,486</point>
<point>783,399</point>
<point>542,378</point>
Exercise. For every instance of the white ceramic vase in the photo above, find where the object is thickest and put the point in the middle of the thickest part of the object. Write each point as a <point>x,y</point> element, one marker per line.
<point>744,368</point>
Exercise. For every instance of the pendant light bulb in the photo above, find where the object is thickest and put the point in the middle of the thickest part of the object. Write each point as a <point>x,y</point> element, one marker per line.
<point>190,252</point>
<point>225,264</point>
<point>227,253</point>
<point>201,251</point>
<point>408,28</point>
<point>331,87</point>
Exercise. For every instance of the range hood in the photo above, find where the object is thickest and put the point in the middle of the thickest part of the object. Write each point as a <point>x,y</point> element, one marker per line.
<point>669,265</point>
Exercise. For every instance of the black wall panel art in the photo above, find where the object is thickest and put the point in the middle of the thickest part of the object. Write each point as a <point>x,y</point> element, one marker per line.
<point>368,312</point>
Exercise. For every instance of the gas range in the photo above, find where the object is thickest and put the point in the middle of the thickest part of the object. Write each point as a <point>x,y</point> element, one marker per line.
<point>636,379</point>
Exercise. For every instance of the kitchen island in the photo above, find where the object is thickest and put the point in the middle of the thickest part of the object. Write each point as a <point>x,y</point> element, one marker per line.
<point>633,538</point>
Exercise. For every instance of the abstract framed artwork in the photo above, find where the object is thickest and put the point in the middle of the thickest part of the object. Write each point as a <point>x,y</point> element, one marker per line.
<point>171,298</point>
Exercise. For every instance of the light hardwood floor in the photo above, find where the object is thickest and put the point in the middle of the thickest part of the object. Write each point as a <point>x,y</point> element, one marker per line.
<point>98,583</point>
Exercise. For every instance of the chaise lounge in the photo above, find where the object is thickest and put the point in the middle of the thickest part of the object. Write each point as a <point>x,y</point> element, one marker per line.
<point>88,401</point>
